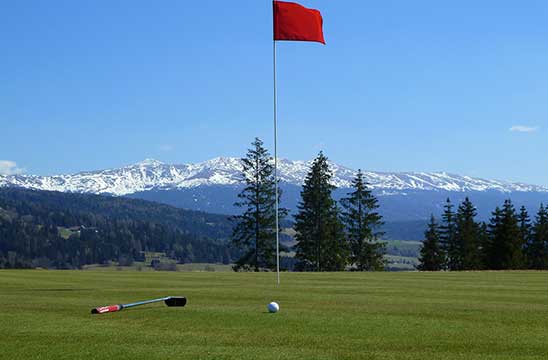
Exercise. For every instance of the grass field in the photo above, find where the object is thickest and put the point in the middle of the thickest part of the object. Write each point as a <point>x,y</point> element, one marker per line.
<point>141,266</point>
<point>487,315</point>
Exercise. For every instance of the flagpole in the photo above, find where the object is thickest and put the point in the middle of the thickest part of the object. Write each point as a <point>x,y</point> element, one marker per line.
<point>276,165</point>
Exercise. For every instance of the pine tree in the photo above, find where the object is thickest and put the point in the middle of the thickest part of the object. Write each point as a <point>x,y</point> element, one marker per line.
<point>254,231</point>
<point>448,242</point>
<point>431,257</point>
<point>483,240</point>
<point>506,247</point>
<point>515,257</point>
<point>525,229</point>
<point>467,238</point>
<point>493,252</point>
<point>320,236</point>
<point>537,248</point>
<point>362,227</point>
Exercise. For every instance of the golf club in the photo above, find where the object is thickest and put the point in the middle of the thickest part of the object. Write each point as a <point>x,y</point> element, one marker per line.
<point>169,301</point>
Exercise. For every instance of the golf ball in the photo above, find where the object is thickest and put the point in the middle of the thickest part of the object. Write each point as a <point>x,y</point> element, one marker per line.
<point>273,307</point>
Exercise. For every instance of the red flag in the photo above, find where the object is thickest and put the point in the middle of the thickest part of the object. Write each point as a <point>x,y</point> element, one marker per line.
<point>294,22</point>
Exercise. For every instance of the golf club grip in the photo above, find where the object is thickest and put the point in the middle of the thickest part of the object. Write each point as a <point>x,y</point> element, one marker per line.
<point>106,309</point>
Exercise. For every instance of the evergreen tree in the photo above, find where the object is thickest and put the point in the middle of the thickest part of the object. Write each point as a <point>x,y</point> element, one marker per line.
<point>467,238</point>
<point>537,248</point>
<point>448,230</point>
<point>492,252</point>
<point>431,257</point>
<point>514,245</point>
<point>483,240</point>
<point>320,234</point>
<point>362,227</point>
<point>254,231</point>
<point>525,229</point>
<point>506,247</point>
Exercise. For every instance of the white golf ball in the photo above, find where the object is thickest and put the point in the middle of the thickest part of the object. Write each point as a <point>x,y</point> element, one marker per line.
<point>273,307</point>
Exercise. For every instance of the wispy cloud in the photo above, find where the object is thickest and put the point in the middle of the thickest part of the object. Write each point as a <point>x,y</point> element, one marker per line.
<point>524,129</point>
<point>166,147</point>
<point>8,167</point>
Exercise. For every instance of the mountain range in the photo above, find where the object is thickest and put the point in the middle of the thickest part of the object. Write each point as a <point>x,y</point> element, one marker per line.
<point>222,171</point>
<point>212,186</point>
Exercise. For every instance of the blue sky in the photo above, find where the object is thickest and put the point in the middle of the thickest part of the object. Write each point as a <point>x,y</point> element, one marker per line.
<point>400,86</point>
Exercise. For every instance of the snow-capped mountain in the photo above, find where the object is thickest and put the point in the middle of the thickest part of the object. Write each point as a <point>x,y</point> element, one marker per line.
<point>151,175</point>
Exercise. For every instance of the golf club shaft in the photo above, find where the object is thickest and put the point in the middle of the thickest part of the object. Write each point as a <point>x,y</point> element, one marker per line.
<point>144,302</point>
<point>114,308</point>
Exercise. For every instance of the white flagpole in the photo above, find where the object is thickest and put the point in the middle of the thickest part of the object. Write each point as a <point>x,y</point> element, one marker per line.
<point>276,167</point>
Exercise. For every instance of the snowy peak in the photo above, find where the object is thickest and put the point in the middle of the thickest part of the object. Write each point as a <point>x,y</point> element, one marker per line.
<point>149,162</point>
<point>152,174</point>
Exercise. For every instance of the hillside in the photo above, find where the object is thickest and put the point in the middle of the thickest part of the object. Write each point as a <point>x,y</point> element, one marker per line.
<point>59,230</point>
<point>193,222</point>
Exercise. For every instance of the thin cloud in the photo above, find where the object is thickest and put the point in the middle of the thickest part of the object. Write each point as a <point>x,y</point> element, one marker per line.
<point>8,167</point>
<point>523,129</point>
<point>166,147</point>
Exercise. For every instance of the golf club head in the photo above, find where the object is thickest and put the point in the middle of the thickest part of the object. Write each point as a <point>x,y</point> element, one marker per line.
<point>176,301</point>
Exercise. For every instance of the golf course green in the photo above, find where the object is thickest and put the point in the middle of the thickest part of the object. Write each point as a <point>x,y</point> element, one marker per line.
<point>470,315</point>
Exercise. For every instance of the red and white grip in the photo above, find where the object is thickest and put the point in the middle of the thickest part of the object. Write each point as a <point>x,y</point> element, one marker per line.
<point>106,309</point>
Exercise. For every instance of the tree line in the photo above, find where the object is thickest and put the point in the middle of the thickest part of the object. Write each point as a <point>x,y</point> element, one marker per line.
<point>509,241</point>
<point>330,235</point>
<point>67,231</point>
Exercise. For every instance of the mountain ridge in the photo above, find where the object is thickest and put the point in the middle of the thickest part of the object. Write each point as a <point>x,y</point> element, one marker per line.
<point>151,174</point>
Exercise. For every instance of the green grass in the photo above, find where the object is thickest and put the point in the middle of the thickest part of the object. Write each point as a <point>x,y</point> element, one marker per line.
<point>204,267</point>
<point>484,315</point>
<point>64,232</point>
<point>142,266</point>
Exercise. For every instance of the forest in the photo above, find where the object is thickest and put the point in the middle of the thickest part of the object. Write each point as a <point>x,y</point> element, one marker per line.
<point>68,231</point>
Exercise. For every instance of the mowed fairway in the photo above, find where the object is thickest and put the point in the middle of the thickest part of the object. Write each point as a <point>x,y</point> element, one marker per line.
<point>483,315</point>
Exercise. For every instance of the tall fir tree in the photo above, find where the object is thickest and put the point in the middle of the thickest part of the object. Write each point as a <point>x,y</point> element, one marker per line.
<point>467,237</point>
<point>483,241</point>
<point>515,255</point>
<point>492,252</point>
<point>525,229</point>
<point>506,247</point>
<point>320,237</point>
<point>431,256</point>
<point>362,222</point>
<point>537,247</point>
<point>448,230</point>
<point>254,231</point>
